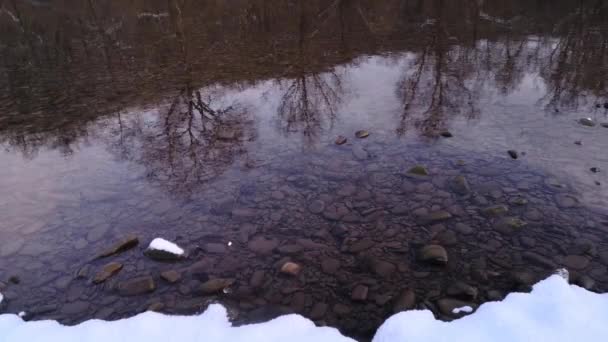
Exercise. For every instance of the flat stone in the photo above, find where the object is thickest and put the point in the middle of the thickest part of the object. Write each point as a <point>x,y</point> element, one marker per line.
<point>495,210</point>
<point>435,216</point>
<point>120,246</point>
<point>330,265</point>
<point>359,293</point>
<point>460,185</point>
<point>418,170</point>
<point>136,286</point>
<point>291,268</point>
<point>263,246</point>
<point>462,290</point>
<point>405,301</point>
<point>361,245</point>
<point>447,307</point>
<point>434,254</point>
<point>318,311</point>
<point>576,262</point>
<point>316,206</point>
<point>216,285</point>
<point>107,271</point>
<point>217,248</point>
<point>163,255</point>
<point>171,276</point>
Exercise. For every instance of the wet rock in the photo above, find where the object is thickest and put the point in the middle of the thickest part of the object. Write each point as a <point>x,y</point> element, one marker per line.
<point>362,134</point>
<point>522,278</point>
<point>463,228</point>
<point>405,301</point>
<point>107,271</point>
<point>171,276</point>
<point>335,212</point>
<point>594,169</point>
<point>291,268</point>
<point>217,248</point>
<point>576,262</point>
<point>359,293</point>
<point>290,249</point>
<point>341,309</point>
<point>434,217</point>
<point>433,254</point>
<point>257,279</point>
<point>341,140</point>
<point>586,122</point>
<point>418,170</point>
<point>583,281</point>
<point>316,207</point>
<point>75,308</point>
<point>446,134</point>
<point>330,265</point>
<point>462,290</point>
<point>163,250</point>
<point>450,307</point>
<point>495,295</point>
<point>156,307</point>
<point>136,286</point>
<point>124,244</point>
<point>97,233</point>
<point>216,285</point>
<point>383,268</point>
<point>509,225</point>
<point>318,311</point>
<point>539,260</point>
<point>360,153</point>
<point>298,302</point>
<point>513,154</point>
<point>361,245</point>
<point>263,246</point>
<point>460,185</point>
<point>495,210</point>
<point>519,201</point>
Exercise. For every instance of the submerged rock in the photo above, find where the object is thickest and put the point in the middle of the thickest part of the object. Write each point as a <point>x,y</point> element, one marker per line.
<point>433,254</point>
<point>263,246</point>
<point>460,185</point>
<point>341,140</point>
<point>462,290</point>
<point>513,154</point>
<point>107,271</point>
<point>418,170</point>
<point>216,285</point>
<point>362,134</point>
<point>359,293</point>
<point>435,216</point>
<point>510,225</point>
<point>405,301</point>
<point>586,122</point>
<point>446,134</point>
<point>163,250</point>
<point>124,244</point>
<point>455,308</point>
<point>495,210</point>
<point>171,276</point>
<point>291,268</point>
<point>136,286</point>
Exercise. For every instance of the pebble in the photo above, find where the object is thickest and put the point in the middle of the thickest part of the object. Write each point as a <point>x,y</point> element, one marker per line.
<point>359,293</point>
<point>362,134</point>
<point>107,271</point>
<point>341,140</point>
<point>257,279</point>
<point>291,268</point>
<point>361,245</point>
<point>434,254</point>
<point>216,285</point>
<point>171,276</point>
<point>341,309</point>
<point>495,210</point>
<point>316,207</point>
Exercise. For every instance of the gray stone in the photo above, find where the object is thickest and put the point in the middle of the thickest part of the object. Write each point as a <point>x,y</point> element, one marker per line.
<point>434,217</point>
<point>566,201</point>
<point>361,245</point>
<point>263,246</point>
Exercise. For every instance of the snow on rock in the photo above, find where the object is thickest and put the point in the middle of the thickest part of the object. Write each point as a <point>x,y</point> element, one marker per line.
<point>554,311</point>
<point>211,326</point>
<point>1,297</point>
<point>162,249</point>
<point>466,309</point>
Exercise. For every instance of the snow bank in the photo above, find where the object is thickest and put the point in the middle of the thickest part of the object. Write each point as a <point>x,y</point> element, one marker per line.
<point>167,246</point>
<point>211,326</point>
<point>554,311</point>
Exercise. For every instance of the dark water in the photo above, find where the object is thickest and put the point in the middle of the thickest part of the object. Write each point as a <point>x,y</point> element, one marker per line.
<point>213,125</point>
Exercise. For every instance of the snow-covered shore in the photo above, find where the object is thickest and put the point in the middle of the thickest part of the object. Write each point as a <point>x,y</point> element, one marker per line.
<point>554,311</point>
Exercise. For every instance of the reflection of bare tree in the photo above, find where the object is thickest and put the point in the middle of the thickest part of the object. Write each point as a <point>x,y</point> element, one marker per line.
<point>434,83</point>
<point>575,69</point>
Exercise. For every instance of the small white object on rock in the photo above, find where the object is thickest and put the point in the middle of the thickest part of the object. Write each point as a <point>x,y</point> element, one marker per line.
<point>1,297</point>
<point>160,244</point>
<point>21,314</point>
<point>229,243</point>
<point>466,309</point>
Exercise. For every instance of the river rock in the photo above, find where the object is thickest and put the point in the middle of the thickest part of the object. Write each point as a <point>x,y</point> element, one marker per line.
<point>341,140</point>
<point>463,228</point>
<point>136,286</point>
<point>362,134</point>
<point>434,217</point>
<point>163,250</point>
<point>263,246</point>
<point>359,293</point>
<point>291,268</point>
<point>495,210</point>
<point>171,276</point>
<point>383,268</point>
<point>566,201</point>
<point>215,248</point>
<point>257,279</point>
<point>460,185</point>
<point>509,225</point>
<point>342,309</point>
<point>433,254</point>
<point>316,206</point>
<point>576,262</point>
<point>586,122</point>
<point>75,308</point>
<point>216,285</point>
<point>330,265</point>
<point>418,170</point>
<point>360,153</point>
<point>405,301</point>
<point>539,259</point>
<point>446,134</point>
<point>318,311</point>
<point>107,271</point>
<point>120,246</point>
<point>462,290</point>
<point>513,154</point>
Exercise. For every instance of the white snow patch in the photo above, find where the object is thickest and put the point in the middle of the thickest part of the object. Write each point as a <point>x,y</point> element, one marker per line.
<point>554,311</point>
<point>466,309</point>
<point>1,297</point>
<point>21,314</point>
<point>167,246</point>
<point>211,326</point>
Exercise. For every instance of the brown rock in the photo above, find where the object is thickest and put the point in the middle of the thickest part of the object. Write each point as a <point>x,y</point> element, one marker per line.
<point>330,265</point>
<point>214,286</point>
<point>107,271</point>
<point>263,246</point>
<point>318,311</point>
<point>341,140</point>
<point>434,254</point>
<point>136,286</point>
<point>171,276</point>
<point>405,301</point>
<point>257,279</point>
<point>359,293</point>
<point>124,244</point>
<point>576,262</point>
<point>291,268</point>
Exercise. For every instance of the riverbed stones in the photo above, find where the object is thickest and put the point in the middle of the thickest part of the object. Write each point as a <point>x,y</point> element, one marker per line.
<point>463,228</point>
<point>434,254</point>
<point>120,246</point>
<point>263,246</point>
<point>495,210</point>
<point>316,206</point>
<point>341,309</point>
<point>107,271</point>
<point>75,308</point>
<point>382,268</point>
<point>539,259</point>
<point>362,134</point>
<point>330,265</point>
<point>359,293</point>
<point>418,170</point>
<point>405,301</point>
<point>216,285</point>
<point>136,286</point>
<point>171,276</point>
<point>461,289</point>
<point>340,140</point>
<point>586,122</point>
<point>215,248</point>
<point>291,268</point>
<point>576,262</point>
<point>446,134</point>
